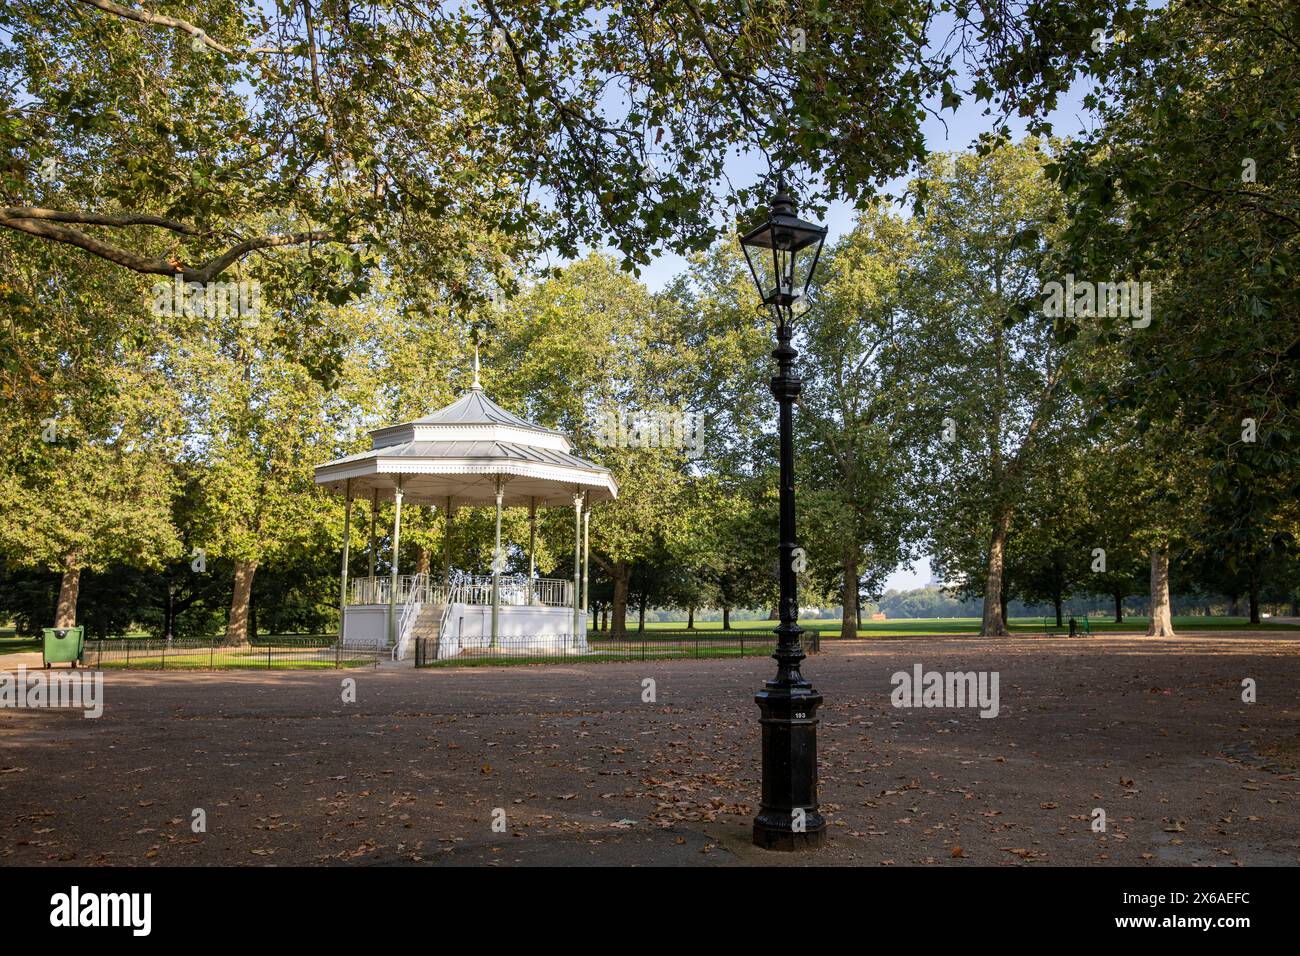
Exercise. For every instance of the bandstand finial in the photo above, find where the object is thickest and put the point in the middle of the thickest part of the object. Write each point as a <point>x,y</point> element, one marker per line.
<point>476,384</point>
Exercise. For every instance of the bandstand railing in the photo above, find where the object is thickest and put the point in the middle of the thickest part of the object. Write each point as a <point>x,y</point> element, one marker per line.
<point>516,590</point>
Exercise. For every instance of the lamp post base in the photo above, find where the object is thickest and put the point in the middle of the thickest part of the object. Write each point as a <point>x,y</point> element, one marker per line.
<point>767,837</point>
<point>788,818</point>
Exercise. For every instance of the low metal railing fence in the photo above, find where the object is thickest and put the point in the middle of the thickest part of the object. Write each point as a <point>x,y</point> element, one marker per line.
<point>279,653</point>
<point>598,647</point>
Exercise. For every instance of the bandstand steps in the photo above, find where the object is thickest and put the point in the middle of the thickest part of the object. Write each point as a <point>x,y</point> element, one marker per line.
<point>428,622</point>
<point>427,626</point>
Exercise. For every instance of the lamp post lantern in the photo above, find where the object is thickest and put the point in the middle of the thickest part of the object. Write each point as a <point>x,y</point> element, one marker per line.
<point>782,253</point>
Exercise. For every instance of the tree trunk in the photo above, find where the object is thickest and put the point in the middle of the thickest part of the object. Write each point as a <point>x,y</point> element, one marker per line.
<point>421,559</point>
<point>237,628</point>
<point>1056,603</point>
<point>726,618</point>
<point>640,623</point>
<point>1234,606</point>
<point>774,614</point>
<point>1119,608</point>
<point>252,615</point>
<point>995,624</point>
<point>859,612</point>
<point>1253,597</point>
<point>1162,622</point>
<point>622,574</point>
<point>849,619</point>
<point>604,617</point>
<point>65,613</point>
<point>690,618</point>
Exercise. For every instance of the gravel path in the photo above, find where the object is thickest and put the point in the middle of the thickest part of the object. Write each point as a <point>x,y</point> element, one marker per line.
<point>1154,732</point>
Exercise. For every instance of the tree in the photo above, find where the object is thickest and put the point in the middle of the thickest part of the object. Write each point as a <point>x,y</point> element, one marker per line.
<point>597,323</point>
<point>1050,550</point>
<point>840,90</point>
<point>410,130</point>
<point>1112,520</point>
<point>248,109</point>
<point>739,564</point>
<point>1242,530</point>
<point>1170,487</point>
<point>85,479</point>
<point>259,419</point>
<point>86,506</point>
<point>1212,383</point>
<point>854,415</point>
<point>993,368</point>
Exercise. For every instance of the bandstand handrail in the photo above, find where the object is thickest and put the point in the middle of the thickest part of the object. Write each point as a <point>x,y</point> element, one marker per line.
<point>464,589</point>
<point>410,608</point>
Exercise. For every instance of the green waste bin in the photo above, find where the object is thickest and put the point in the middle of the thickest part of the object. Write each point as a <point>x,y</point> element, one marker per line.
<point>64,645</point>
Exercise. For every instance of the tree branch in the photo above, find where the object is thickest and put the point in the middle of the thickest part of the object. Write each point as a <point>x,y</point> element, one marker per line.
<point>232,255</point>
<point>160,20</point>
<point>1251,197</point>
<point>98,219</point>
<point>45,224</point>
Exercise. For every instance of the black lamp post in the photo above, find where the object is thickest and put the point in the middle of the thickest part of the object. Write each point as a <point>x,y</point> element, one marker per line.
<point>782,254</point>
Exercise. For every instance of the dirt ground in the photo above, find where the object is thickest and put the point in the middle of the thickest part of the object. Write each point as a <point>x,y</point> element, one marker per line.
<point>1154,732</point>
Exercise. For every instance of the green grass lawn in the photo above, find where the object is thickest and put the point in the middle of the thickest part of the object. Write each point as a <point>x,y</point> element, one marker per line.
<point>222,662</point>
<point>289,652</point>
<point>300,655</point>
<point>11,643</point>
<point>11,646</point>
<point>971,625</point>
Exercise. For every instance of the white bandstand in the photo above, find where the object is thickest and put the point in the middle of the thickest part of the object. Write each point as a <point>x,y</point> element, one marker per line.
<point>473,453</point>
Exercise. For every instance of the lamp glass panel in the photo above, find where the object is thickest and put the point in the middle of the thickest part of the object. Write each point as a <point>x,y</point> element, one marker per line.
<point>804,262</point>
<point>763,267</point>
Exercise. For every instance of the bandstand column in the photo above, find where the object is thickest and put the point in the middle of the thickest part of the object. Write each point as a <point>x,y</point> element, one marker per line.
<point>372,553</point>
<point>532,547</point>
<point>577,562</point>
<point>586,559</point>
<point>496,569</point>
<point>446,547</point>
<point>392,585</point>
<point>343,573</point>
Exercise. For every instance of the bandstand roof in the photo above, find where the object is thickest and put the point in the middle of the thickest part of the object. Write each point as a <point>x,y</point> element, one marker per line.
<point>460,452</point>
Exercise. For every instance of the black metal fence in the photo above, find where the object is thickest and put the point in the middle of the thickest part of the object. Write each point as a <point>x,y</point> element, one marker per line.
<point>324,651</point>
<point>599,646</point>
<point>279,653</point>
